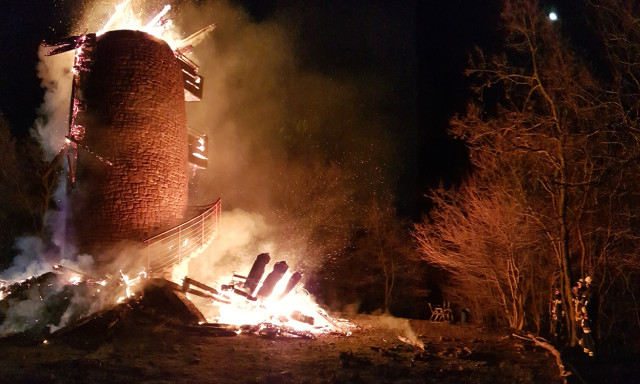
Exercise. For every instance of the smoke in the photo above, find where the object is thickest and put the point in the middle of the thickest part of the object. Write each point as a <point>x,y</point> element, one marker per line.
<point>401,326</point>
<point>32,260</point>
<point>20,316</point>
<point>36,255</point>
<point>302,126</point>
<point>299,143</point>
<point>55,78</point>
<point>243,235</point>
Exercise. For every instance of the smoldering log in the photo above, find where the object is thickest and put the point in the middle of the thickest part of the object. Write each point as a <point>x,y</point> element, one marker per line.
<point>293,281</point>
<point>272,279</point>
<point>257,270</point>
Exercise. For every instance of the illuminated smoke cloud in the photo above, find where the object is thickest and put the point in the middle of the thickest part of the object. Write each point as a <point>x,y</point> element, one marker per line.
<point>55,75</point>
<point>243,235</point>
<point>293,146</point>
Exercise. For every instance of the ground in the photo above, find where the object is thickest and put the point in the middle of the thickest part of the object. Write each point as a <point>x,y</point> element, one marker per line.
<point>144,350</point>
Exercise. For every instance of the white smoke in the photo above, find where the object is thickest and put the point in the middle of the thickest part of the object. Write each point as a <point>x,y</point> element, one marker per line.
<point>402,326</point>
<point>241,237</point>
<point>37,256</point>
<point>56,79</point>
<point>32,260</point>
<point>23,314</point>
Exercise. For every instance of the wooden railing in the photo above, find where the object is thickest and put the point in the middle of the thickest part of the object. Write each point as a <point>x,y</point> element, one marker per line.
<point>187,239</point>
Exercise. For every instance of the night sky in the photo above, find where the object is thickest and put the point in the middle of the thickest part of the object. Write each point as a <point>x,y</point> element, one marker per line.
<point>420,46</point>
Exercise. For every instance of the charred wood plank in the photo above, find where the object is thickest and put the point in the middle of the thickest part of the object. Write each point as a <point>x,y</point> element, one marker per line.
<point>236,276</point>
<point>272,279</point>
<point>293,281</point>
<point>244,294</point>
<point>189,281</point>
<point>257,270</point>
<point>207,295</point>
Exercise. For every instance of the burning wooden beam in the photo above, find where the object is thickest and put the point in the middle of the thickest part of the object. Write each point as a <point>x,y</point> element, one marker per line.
<point>293,281</point>
<point>189,281</point>
<point>257,270</point>
<point>62,268</point>
<point>272,279</point>
<point>244,294</point>
<point>209,292</point>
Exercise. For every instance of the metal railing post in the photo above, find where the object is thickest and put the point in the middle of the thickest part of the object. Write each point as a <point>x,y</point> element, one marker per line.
<point>148,258</point>
<point>202,232</point>
<point>164,238</point>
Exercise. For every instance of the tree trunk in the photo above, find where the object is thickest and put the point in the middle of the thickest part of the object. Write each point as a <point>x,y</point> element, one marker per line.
<point>565,256</point>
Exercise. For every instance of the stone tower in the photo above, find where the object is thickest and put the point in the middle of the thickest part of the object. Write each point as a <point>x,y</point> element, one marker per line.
<point>135,119</point>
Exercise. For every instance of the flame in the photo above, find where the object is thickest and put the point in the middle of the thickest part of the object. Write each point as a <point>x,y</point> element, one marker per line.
<point>287,311</point>
<point>130,284</point>
<point>159,26</point>
<point>180,270</point>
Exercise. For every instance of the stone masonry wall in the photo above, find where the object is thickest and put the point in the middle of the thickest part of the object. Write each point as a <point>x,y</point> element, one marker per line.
<point>136,120</point>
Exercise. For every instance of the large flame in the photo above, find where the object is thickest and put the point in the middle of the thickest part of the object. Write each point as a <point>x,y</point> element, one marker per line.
<point>159,26</point>
<point>296,310</point>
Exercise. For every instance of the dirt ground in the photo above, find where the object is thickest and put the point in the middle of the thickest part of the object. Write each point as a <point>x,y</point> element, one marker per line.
<point>143,350</point>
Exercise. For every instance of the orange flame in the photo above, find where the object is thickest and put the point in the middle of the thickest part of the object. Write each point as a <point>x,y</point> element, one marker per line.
<point>159,26</point>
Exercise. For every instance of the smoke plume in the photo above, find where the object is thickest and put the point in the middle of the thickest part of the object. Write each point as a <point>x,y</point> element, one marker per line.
<point>300,143</point>
<point>302,126</point>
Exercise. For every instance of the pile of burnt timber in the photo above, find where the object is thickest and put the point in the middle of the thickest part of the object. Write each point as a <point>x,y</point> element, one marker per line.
<point>158,302</point>
<point>246,286</point>
<point>74,306</point>
<point>32,306</point>
<point>256,290</point>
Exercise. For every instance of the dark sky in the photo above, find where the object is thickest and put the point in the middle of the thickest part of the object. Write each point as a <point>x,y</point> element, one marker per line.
<point>426,41</point>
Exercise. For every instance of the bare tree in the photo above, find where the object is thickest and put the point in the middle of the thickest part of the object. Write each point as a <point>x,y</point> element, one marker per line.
<point>489,249</point>
<point>548,149</point>
<point>383,244</point>
<point>21,210</point>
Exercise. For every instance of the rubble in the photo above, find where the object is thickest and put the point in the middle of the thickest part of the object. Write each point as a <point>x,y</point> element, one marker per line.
<point>74,305</point>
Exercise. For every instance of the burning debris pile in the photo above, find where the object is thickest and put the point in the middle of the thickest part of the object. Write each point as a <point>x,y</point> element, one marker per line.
<point>66,302</point>
<point>39,306</point>
<point>270,306</point>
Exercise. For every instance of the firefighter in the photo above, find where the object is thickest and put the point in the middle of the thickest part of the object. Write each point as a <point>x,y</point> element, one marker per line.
<point>557,314</point>
<point>581,287</point>
<point>577,309</point>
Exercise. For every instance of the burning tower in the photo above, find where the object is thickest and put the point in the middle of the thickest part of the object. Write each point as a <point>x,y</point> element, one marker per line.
<point>128,145</point>
<point>135,114</point>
